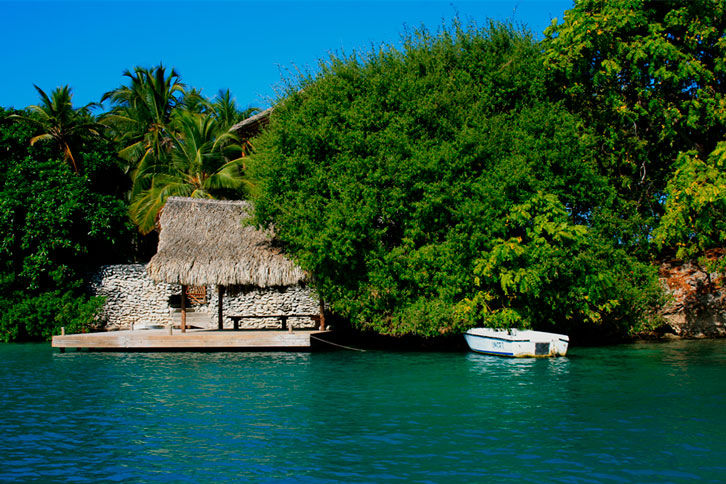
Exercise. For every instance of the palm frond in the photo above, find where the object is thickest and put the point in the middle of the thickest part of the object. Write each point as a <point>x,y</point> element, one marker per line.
<point>41,137</point>
<point>133,151</point>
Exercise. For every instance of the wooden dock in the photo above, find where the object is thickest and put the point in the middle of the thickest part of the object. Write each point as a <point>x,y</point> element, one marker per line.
<point>191,340</point>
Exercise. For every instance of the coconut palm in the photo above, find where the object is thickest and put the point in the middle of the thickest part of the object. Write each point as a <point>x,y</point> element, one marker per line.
<point>205,161</point>
<point>195,102</point>
<point>60,122</point>
<point>141,116</point>
<point>225,109</point>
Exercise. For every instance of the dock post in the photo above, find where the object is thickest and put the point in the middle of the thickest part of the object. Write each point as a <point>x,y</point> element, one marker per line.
<point>322,315</point>
<point>220,299</point>
<point>63,330</point>
<point>183,309</point>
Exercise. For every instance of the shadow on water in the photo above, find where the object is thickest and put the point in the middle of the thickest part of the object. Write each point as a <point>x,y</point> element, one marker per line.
<point>651,412</point>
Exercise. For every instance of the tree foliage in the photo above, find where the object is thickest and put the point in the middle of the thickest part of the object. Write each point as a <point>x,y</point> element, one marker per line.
<point>648,76</point>
<point>203,162</point>
<point>695,211</point>
<point>176,141</point>
<point>141,115</point>
<point>55,225</point>
<point>557,274</point>
<point>60,123</point>
<point>37,317</point>
<point>390,177</point>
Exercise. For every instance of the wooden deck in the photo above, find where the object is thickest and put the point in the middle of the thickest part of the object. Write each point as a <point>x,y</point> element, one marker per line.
<point>192,340</point>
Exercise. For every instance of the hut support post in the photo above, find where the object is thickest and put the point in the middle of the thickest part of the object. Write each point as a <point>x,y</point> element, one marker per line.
<point>183,309</point>
<point>220,300</point>
<point>322,315</point>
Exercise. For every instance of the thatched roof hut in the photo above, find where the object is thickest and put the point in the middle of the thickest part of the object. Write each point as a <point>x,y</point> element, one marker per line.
<point>206,242</point>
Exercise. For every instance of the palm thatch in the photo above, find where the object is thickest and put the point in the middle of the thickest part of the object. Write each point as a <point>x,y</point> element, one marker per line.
<point>205,242</point>
<point>247,128</point>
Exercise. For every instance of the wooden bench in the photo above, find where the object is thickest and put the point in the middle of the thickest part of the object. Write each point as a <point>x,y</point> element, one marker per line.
<point>282,317</point>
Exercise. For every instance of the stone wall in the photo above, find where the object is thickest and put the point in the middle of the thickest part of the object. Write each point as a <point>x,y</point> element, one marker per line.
<point>697,307</point>
<point>251,301</point>
<point>132,299</point>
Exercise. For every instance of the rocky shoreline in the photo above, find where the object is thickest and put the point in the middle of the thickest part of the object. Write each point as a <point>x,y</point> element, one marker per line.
<point>697,307</point>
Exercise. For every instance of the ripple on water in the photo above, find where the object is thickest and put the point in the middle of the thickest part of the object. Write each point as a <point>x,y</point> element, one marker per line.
<point>624,414</point>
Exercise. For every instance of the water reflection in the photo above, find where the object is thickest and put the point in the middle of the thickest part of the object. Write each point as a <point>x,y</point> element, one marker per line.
<point>621,413</point>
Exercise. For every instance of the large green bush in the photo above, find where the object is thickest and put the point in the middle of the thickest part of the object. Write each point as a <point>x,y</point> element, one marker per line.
<point>38,317</point>
<point>390,176</point>
<point>54,226</point>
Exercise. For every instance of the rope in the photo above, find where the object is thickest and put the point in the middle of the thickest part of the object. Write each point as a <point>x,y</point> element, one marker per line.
<point>336,344</point>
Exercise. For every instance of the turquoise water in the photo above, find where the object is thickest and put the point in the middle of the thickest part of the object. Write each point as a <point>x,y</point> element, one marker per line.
<point>633,413</point>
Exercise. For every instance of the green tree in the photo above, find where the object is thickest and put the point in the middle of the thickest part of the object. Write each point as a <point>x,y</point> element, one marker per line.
<point>38,317</point>
<point>53,221</point>
<point>226,110</point>
<point>193,101</point>
<point>176,141</point>
<point>558,274</point>
<point>204,162</point>
<point>55,226</point>
<point>648,76</point>
<point>60,123</point>
<point>390,174</point>
<point>227,113</point>
<point>141,119</point>
<point>15,135</point>
<point>695,210</point>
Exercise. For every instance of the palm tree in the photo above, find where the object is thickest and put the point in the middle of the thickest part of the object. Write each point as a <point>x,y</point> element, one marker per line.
<point>195,102</point>
<point>225,109</point>
<point>141,118</point>
<point>205,162</point>
<point>60,122</point>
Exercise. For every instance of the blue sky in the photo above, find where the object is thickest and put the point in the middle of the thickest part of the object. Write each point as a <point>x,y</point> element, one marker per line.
<point>244,46</point>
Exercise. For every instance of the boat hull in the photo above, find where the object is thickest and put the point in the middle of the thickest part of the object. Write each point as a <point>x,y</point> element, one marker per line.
<point>516,343</point>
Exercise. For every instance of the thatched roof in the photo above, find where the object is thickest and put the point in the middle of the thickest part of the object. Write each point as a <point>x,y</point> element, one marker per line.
<point>205,242</point>
<point>251,126</point>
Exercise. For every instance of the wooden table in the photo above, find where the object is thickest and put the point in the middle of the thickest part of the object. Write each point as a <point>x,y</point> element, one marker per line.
<point>282,317</point>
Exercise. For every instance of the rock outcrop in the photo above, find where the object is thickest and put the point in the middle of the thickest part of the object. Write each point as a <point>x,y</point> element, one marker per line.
<point>697,308</point>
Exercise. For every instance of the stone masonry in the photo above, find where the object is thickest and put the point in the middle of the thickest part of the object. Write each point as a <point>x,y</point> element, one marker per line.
<point>134,300</point>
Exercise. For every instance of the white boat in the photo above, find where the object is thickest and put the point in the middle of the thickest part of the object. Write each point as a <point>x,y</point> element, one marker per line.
<point>516,342</point>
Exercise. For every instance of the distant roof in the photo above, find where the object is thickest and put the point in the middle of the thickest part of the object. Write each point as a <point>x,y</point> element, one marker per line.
<point>252,125</point>
<point>206,242</point>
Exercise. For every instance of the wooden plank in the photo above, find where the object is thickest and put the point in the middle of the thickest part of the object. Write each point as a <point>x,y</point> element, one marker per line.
<point>192,339</point>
